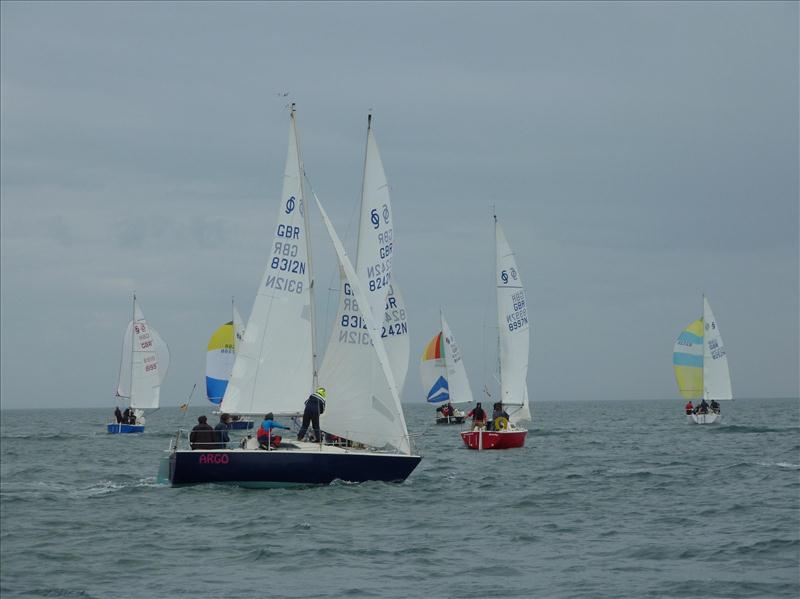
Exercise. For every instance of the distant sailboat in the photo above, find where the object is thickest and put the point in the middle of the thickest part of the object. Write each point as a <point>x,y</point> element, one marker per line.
<point>143,366</point>
<point>444,376</point>
<point>274,369</point>
<point>701,366</point>
<point>513,348</point>
<point>220,357</point>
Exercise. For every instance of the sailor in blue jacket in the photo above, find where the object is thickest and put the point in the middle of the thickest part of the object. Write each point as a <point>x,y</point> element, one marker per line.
<point>315,407</point>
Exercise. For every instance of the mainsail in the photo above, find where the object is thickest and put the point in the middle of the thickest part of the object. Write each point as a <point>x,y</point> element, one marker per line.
<point>351,371</point>
<point>274,367</point>
<point>716,376</point>
<point>144,363</point>
<point>512,314</point>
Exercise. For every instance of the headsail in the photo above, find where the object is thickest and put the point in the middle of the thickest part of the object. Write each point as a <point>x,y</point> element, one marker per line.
<point>274,367</point>
<point>432,371</point>
<point>144,363</point>
<point>512,314</point>
<point>220,356</point>
<point>716,376</point>
<point>375,419</point>
<point>687,360</point>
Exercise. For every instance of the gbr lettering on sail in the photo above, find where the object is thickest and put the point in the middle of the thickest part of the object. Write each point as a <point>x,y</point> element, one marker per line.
<point>287,262</point>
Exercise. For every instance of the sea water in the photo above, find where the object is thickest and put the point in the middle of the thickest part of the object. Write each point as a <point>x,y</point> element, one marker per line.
<point>606,499</point>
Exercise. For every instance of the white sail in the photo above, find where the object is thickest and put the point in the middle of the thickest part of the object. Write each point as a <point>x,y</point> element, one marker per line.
<point>716,376</point>
<point>514,330</point>
<point>375,418</point>
<point>375,231</point>
<point>238,328</point>
<point>144,363</point>
<point>273,371</point>
<point>457,381</point>
<point>395,335</point>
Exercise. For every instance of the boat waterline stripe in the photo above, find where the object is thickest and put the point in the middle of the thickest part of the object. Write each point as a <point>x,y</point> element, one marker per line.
<point>681,359</point>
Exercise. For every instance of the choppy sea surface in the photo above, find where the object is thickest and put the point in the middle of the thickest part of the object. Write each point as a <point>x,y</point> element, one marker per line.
<point>607,499</point>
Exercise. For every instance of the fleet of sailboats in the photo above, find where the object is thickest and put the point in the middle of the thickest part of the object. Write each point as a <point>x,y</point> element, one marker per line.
<point>270,364</point>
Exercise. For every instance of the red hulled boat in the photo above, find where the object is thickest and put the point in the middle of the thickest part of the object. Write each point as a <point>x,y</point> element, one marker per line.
<point>483,439</point>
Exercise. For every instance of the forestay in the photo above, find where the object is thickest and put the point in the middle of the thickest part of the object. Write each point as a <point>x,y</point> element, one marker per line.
<point>273,371</point>
<point>514,330</point>
<point>374,418</point>
<point>144,363</point>
<point>716,376</point>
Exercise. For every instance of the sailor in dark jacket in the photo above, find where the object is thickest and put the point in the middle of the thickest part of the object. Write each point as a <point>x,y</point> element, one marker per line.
<point>315,407</point>
<point>118,415</point>
<point>221,431</point>
<point>202,435</point>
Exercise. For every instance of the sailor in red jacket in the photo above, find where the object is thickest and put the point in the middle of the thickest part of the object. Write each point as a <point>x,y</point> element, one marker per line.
<point>689,407</point>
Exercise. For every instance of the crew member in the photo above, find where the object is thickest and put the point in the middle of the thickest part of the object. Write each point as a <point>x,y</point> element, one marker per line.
<point>202,435</point>
<point>478,416</point>
<point>315,407</point>
<point>266,438</point>
<point>689,407</point>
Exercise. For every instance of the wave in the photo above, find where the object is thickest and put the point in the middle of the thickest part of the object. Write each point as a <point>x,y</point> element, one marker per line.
<point>746,429</point>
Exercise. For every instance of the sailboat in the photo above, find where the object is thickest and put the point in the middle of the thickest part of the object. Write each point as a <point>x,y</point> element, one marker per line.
<point>220,356</point>
<point>443,374</point>
<point>143,366</point>
<point>275,365</point>
<point>351,369</point>
<point>701,366</point>
<point>513,350</point>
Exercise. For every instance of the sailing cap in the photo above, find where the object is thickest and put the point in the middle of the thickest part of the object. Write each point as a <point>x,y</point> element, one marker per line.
<point>321,392</point>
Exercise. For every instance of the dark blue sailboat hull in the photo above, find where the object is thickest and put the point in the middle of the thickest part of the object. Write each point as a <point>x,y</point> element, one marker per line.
<point>286,468</point>
<point>116,429</point>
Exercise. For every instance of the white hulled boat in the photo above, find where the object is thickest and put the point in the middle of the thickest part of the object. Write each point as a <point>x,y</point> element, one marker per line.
<point>143,366</point>
<point>444,376</point>
<point>701,368</point>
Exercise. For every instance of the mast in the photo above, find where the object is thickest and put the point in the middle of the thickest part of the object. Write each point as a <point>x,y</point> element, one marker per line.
<point>308,252</point>
<point>133,332</point>
<point>705,345</point>
<point>497,303</point>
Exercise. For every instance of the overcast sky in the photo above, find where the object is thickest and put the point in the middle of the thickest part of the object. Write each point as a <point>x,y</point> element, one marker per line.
<point>638,155</point>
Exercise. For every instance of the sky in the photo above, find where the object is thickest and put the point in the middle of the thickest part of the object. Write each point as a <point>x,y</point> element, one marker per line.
<point>638,155</point>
